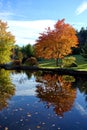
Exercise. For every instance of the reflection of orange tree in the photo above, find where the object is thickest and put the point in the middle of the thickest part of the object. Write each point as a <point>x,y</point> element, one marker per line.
<point>56,92</point>
<point>6,88</point>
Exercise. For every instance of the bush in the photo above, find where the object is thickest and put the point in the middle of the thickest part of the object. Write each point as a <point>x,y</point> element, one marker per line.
<point>69,62</point>
<point>16,62</point>
<point>32,61</point>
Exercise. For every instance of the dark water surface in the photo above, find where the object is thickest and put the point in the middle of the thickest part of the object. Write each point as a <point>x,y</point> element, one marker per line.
<point>42,101</point>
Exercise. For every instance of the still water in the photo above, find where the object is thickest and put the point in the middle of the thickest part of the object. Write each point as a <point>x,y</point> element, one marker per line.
<point>42,101</point>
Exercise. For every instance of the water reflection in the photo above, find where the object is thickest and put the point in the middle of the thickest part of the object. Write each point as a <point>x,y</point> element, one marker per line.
<point>7,89</point>
<point>56,91</point>
<point>61,95</point>
<point>81,84</point>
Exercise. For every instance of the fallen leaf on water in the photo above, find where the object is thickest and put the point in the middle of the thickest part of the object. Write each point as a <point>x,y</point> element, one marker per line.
<point>36,112</point>
<point>5,117</point>
<point>28,114</point>
<point>6,128</point>
<point>21,119</point>
<point>38,127</point>
<point>20,109</point>
<point>60,117</point>
<point>53,125</point>
<point>43,123</point>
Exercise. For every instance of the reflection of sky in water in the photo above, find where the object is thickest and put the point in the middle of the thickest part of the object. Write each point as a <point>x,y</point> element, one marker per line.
<point>81,109</point>
<point>24,86</point>
<point>80,103</point>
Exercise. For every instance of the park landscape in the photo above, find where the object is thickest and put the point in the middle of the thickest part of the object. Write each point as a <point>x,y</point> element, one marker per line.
<point>31,96</point>
<point>43,65</point>
<point>62,47</point>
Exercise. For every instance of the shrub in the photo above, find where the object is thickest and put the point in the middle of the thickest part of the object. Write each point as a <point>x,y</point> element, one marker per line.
<point>32,61</point>
<point>69,62</point>
<point>16,62</point>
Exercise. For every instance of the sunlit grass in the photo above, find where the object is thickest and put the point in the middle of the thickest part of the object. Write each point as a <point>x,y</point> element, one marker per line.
<point>82,67</point>
<point>81,63</point>
<point>48,63</point>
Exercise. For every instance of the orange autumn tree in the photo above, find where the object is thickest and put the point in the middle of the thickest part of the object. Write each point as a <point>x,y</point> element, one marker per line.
<point>56,91</point>
<point>56,43</point>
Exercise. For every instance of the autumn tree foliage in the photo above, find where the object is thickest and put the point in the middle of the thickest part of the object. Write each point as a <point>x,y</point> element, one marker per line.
<point>7,41</point>
<point>56,43</point>
<point>56,91</point>
<point>7,88</point>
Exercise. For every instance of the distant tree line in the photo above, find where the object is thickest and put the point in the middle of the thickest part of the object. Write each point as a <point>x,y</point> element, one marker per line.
<point>82,39</point>
<point>24,52</point>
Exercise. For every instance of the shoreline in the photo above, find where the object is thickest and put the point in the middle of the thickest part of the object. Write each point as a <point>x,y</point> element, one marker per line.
<point>60,71</point>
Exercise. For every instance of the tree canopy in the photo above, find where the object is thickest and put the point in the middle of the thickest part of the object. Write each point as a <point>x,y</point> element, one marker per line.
<point>56,91</point>
<point>56,43</point>
<point>7,41</point>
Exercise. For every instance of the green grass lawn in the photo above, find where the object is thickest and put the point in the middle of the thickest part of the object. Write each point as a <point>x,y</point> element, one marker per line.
<point>81,62</point>
<point>48,63</point>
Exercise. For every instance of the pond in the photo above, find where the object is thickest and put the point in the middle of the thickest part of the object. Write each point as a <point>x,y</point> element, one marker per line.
<point>41,100</point>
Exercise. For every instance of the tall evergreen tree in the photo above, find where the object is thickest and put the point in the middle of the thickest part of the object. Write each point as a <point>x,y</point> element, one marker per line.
<point>84,51</point>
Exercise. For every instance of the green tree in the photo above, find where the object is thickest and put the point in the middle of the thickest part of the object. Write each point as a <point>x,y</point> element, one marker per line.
<point>7,41</point>
<point>23,51</point>
<point>20,56</point>
<point>17,55</point>
<point>82,36</point>
<point>82,39</point>
<point>84,51</point>
<point>29,50</point>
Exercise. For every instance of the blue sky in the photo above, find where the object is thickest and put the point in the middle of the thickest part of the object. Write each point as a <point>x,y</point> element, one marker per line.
<point>27,18</point>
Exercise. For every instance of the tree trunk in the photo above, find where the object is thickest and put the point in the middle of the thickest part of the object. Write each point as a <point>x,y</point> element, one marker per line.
<point>57,62</point>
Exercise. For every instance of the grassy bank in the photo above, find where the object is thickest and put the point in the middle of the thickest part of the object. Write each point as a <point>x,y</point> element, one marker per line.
<point>81,62</point>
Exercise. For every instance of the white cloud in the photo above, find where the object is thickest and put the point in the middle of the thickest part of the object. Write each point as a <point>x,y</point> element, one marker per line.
<point>81,8</point>
<point>28,31</point>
